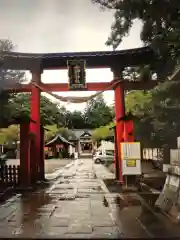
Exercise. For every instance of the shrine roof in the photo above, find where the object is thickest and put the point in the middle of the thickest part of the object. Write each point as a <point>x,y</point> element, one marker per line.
<point>58,139</point>
<point>25,61</point>
<point>80,132</point>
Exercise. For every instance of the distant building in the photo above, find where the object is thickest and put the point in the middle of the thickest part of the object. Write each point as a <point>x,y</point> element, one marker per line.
<point>58,147</point>
<point>83,140</point>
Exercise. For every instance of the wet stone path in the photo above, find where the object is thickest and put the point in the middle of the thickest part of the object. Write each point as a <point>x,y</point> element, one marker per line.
<point>78,205</point>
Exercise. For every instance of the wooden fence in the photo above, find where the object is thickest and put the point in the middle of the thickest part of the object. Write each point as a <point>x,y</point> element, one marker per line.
<point>9,175</point>
<point>152,159</point>
<point>155,154</point>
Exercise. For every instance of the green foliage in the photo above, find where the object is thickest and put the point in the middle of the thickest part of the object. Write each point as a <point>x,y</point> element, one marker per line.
<point>160,27</point>
<point>98,113</point>
<point>75,120</point>
<point>66,133</point>
<point>137,101</point>
<point>7,75</point>
<point>158,113</point>
<point>103,133</point>
<point>10,134</point>
<point>19,105</point>
<point>52,130</point>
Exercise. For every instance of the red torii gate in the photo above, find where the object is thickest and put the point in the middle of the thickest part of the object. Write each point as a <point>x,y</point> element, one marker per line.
<point>36,63</point>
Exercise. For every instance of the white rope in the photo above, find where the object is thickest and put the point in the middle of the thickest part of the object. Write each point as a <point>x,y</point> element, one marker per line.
<point>73,99</point>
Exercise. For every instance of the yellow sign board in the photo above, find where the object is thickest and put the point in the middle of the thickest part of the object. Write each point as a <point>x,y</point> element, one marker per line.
<point>131,163</point>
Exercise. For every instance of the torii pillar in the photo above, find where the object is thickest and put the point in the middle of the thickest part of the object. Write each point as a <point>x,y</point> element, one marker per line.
<point>35,127</point>
<point>42,156</point>
<point>120,113</point>
<point>128,129</point>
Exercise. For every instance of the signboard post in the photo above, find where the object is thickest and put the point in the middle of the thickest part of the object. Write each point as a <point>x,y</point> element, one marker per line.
<point>77,74</point>
<point>131,157</point>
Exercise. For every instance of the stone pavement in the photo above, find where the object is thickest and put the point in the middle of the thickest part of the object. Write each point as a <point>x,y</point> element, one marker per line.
<point>78,205</point>
<point>59,172</point>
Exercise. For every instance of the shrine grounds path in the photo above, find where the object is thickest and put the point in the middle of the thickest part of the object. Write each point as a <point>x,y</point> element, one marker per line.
<point>79,205</point>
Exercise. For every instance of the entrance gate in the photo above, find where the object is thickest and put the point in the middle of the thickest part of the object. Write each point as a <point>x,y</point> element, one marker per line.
<point>36,63</point>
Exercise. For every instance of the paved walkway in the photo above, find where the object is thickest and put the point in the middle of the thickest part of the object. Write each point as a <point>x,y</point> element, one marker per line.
<point>78,205</point>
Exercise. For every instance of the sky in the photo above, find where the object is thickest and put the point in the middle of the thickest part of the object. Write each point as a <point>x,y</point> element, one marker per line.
<point>44,26</point>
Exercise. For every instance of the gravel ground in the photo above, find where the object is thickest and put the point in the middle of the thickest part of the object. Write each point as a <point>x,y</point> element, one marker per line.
<point>51,165</point>
<point>54,164</point>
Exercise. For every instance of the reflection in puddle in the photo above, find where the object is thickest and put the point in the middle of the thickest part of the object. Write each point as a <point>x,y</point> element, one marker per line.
<point>120,203</point>
<point>150,198</point>
<point>35,203</point>
<point>126,201</point>
<point>105,202</point>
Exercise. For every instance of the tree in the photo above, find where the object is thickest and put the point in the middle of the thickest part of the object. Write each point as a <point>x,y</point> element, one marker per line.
<point>52,130</point>
<point>138,103</point>
<point>7,75</point>
<point>97,113</point>
<point>66,133</point>
<point>143,73</point>
<point>103,133</point>
<point>75,120</point>
<point>165,112</point>
<point>158,113</point>
<point>51,113</point>
<point>160,27</point>
<point>10,134</point>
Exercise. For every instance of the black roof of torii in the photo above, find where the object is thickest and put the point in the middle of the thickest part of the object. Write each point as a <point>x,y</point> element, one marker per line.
<point>25,61</point>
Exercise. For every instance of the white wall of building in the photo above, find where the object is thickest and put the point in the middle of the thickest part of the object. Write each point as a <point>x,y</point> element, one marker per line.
<point>106,145</point>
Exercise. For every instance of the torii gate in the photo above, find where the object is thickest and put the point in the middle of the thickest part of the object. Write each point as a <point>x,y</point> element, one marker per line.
<point>36,63</point>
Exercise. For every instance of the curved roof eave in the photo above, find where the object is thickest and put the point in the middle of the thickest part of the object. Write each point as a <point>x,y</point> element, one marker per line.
<point>94,59</point>
<point>76,54</point>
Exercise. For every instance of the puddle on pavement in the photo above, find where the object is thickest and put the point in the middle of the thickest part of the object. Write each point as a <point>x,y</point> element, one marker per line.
<point>78,196</point>
<point>98,188</point>
<point>105,202</point>
<point>94,176</point>
<point>68,177</point>
<point>150,198</point>
<point>61,187</point>
<point>131,200</point>
<point>66,198</point>
<point>111,185</point>
<point>130,208</point>
<point>36,208</point>
<point>64,182</point>
<point>30,207</point>
<point>124,201</point>
<point>5,197</point>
